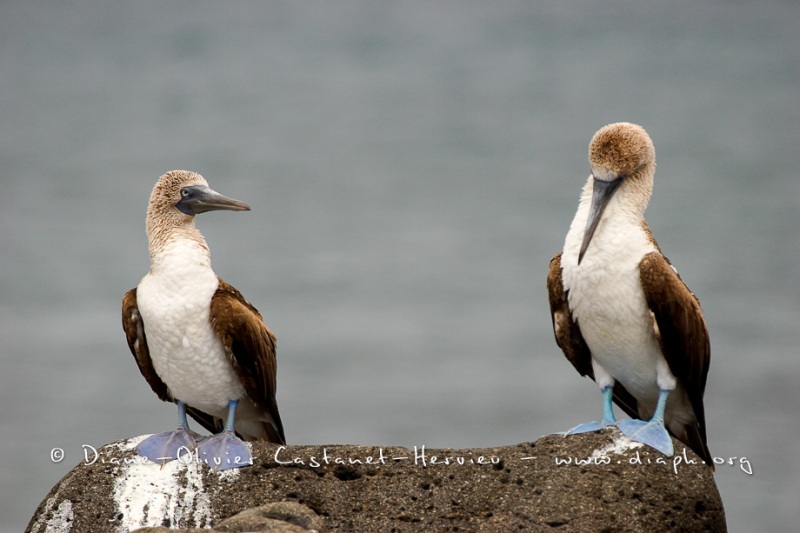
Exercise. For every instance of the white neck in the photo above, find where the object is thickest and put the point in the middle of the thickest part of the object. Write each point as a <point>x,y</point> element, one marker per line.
<point>179,247</point>
<point>620,233</point>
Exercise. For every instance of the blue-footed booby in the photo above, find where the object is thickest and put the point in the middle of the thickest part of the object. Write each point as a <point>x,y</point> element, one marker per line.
<point>621,314</point>
<point>197,341</point>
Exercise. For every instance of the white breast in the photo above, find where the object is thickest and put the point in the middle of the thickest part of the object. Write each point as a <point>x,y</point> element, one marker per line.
<point>174,302</point>
<point>606,297</point>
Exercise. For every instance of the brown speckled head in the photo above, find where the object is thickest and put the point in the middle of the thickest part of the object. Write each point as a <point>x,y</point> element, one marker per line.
<point>167,193</point>
<point>621,150</point>
<point>623,162</point>
<point>177,197</point>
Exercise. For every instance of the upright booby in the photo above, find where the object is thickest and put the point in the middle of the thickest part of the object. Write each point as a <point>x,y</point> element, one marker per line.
<point>621,314</point>
<point>197,341</point>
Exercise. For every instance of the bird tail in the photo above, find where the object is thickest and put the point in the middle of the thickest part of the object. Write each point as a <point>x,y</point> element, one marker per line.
<point>248,429</point>
<point>695,439</point>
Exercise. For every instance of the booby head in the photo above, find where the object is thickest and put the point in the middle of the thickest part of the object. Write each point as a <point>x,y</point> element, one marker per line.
<point>621,155</point>
<point>177,197</point>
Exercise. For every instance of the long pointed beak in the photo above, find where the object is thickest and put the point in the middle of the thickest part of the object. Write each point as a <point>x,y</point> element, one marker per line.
<point>197,199</point>
<point>602,191</point>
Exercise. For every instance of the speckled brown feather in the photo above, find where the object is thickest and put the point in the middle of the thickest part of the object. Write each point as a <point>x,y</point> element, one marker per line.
<point>250,345</point>
<point>624,148</point>
<point>568,335</point>
<point>137,342</point>
<point>683,337</point>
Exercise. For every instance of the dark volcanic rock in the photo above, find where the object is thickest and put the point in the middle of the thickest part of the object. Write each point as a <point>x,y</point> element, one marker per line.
<point>590,482</point>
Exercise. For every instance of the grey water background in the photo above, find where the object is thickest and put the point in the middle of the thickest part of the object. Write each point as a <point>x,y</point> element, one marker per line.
<point>412,168</point>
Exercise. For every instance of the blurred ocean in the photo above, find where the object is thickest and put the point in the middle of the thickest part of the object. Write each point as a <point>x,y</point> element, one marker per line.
<point>412,168</point>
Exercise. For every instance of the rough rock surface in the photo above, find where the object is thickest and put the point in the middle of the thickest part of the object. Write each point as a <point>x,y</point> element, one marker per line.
<point>616,486</point>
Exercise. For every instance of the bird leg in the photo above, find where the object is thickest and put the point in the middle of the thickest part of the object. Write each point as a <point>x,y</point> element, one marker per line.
<point>608,416</point>
<point>225,450</point>
<point>170,445</point>
<point>653,433</point>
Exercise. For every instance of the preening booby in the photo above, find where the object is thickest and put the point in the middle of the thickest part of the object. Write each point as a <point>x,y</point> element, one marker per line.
<point>197,341</point>
<point>621,314</point>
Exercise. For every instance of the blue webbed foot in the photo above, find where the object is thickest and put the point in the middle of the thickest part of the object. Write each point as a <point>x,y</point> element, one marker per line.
<point>224,451</point>
<point>652,433</point>
<point>168,446</point>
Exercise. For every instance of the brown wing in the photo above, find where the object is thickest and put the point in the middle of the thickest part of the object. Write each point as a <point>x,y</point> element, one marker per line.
<point>683,337</point>
<point>568,334</point>
<point>251,348</point>
<point>570,340</point>
<point>137,341</point>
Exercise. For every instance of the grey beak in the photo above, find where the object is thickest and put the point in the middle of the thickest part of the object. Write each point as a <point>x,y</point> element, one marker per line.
<point>196,199</point>
<point>602,191</point>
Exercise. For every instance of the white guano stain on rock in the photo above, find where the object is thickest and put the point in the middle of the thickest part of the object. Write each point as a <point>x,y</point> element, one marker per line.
<point>618,446</point>
<point>146,492</point>
<point>60,521</point>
